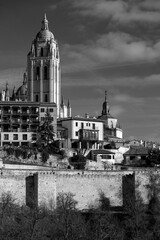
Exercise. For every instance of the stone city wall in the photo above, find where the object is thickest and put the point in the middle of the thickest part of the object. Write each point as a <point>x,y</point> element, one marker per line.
<point>43,186</point>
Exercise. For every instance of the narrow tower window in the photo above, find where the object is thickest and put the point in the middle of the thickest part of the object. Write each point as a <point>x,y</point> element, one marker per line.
<point>41,52</point>
<point>37,98</point>
<point>37,73</point>
<point>46,98</point>
<point>45,73</point>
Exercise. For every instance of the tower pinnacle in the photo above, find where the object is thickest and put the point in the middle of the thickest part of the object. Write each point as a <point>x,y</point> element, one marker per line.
<point>105,95</point>
<point>105,107</point>
<point>44,23</point>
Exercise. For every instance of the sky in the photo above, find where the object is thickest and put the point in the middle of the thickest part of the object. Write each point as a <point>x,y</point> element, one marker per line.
<point>104,45</point>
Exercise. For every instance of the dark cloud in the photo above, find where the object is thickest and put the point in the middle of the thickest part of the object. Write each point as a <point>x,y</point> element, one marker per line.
<point>119,10</point>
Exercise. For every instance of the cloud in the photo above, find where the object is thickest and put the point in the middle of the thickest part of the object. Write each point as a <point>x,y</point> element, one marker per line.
<point>117,110</point>
<point>119,10</point>
<point>106,50</point>
<point>128,99</point>
<point>101,82</point>
<point>14,76</point>
<point>53,7</point>
<point>150,5</point>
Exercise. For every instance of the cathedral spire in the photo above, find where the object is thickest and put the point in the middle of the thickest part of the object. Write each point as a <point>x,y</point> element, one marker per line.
<point>62,101</point>
<point>105,95</point>
<point>105,107</point>
<point>68,104</point>
<point>68,109</point>
<point>14,94</point>
<point>7,92</point>
<point>24,78</point>
<point>44,23</point>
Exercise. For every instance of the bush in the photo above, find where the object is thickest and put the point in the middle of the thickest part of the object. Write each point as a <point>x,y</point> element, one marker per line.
<point>45,156</point>
<point>18,152</point>
<point>78,161</point>
<point>9,151</point>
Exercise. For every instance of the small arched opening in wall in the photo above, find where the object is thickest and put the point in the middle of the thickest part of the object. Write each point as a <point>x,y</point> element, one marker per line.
<point>45,73</point>
<point>37,73</point>
<point>41,52</point>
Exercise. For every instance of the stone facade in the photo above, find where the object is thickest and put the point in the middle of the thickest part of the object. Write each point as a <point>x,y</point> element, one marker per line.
<point>85,185</point>
<point>43,67</point>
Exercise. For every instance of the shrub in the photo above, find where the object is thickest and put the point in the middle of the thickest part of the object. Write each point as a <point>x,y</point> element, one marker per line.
<point>45,156</point>
<point>78,161</point>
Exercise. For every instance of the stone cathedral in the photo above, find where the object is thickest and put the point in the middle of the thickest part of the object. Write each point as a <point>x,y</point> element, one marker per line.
<point>24,108</point>
<point>43,67</point>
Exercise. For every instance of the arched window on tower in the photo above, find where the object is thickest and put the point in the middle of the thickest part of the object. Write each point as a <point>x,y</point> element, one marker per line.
<point>37,73</point>
<point>45,73</point>
<point>41,52</point>
<point>46,98</point>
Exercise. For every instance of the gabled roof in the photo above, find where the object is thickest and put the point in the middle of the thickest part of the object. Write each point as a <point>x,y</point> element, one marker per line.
<point>137,150</point>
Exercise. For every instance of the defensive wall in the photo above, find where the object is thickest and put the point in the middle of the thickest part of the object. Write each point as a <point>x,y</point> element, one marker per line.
<point>42,186</point>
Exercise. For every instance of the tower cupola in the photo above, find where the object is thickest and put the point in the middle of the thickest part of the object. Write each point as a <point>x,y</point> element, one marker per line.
<point>44,34</point>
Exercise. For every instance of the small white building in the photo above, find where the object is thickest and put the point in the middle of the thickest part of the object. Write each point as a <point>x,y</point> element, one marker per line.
<point>82,132</point>
<point>112,127</point>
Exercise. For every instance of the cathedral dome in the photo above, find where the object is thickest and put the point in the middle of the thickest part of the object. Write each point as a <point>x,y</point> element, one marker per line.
<point>22,90</point>
<point>44,35</point>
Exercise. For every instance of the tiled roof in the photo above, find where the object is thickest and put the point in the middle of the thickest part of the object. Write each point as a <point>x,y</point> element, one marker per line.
<point>137,150</point>
<point>101,151</point>
<point>81,119</point>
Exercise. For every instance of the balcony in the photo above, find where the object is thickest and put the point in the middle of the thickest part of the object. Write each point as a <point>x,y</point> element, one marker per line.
<point>15,112</point>
<point>26,121</point>
<point>24,130</point>
<point>88,135</point>
<point>5,121</point>
<point>25,113</point>
<point>5,112</point>
<point>34,111</point>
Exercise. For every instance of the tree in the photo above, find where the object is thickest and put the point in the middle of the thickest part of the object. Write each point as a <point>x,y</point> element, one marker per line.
<point>102,224</point>
<point>46,134</point>
<point>78,161</point>
<point>153,157</point>
<point>67,222</point>
<point>46,142</point>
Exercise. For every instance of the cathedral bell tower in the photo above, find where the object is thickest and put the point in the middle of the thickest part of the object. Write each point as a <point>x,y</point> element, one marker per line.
<point>43,67</point>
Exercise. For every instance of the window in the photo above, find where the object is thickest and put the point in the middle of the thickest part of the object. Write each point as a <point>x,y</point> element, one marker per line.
<point>46,98</point>
<point>15,136</point>
<point>76,133</point>
<point>86,124</point>
<point>34,137</point>
<point>82,125</point>
<point>41,52</point>
<point>24,136</point>
<point>36,98</point>
<point>42,119</point>
<point>51,109</point>
<point>76,124</point>
<point>37,73</point>
<point>45,73</point>
<point>93,125</point>
<point>52,119</point>
<point>6,137</point>
<point>42,109</point>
